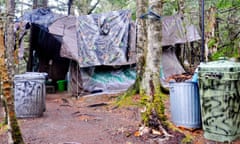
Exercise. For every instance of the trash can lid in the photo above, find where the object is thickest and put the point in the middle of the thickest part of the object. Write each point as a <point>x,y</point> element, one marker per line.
<point>220,65</point>
<point>29,75</point>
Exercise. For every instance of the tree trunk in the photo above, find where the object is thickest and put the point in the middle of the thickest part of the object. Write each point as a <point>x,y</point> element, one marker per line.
<point>185,49</point>
<point>35,4</point>
<point>211,41</point>
<point>181,7</point>
<point>39,3</point>
<point>203,52</point>
<point>7,73</point>
<point>153,115</point>
<point>141,47</point>
<point>44,3</point>
<point>82,6</point>
<point>70,7</point>
<point>141,40</point>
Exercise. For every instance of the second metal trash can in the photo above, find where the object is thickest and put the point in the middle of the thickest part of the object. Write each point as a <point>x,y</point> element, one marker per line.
<point>29,94</point>
<point>185,104</point>
<point>219,86</point>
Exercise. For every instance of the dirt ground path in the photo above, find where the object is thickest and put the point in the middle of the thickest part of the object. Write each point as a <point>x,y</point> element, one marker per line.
<point>90,120</point>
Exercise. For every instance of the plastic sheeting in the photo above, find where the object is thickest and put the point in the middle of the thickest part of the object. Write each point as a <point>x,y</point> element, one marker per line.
<point>100,80</point>
<point>177,31</point>
<point>42,16</point>
<point>103,38</point>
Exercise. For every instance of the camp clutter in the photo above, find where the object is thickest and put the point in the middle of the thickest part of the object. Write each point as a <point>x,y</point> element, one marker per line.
<point>212,103</point>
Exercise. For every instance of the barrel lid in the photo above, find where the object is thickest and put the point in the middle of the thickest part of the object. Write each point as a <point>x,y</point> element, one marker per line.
<point>30,75</point>
<point>220,65</point>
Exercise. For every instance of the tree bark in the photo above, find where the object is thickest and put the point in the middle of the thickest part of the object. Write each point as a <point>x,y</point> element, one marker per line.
<point>7,72</point>
<point>211,41</point>
<point>181,6</point>
<point>82,6</point>
<point>141,47</point>
<point>39,3</point>
<point>153,115</point>
<point>141,40</point>
<point>184,50</point>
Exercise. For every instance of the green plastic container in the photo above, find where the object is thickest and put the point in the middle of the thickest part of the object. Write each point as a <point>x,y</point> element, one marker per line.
<point>219,88</point>
<point>61,85</point>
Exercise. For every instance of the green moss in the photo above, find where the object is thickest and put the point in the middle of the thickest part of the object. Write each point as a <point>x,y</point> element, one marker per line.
<point>155,107</point>
<point>188,139</point>
<point>126,98</point>
<point>15,129</point>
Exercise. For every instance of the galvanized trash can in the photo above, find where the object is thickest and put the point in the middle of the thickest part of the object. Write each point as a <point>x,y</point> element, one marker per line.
<point>219,84</point>
<point>29,94</point>
<point>185,104</point>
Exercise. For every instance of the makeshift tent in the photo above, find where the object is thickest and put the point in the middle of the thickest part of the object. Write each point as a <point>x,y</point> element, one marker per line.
<point>101,47</point>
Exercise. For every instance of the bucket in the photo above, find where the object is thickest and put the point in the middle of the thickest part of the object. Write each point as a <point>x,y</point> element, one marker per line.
<point>61,85</point>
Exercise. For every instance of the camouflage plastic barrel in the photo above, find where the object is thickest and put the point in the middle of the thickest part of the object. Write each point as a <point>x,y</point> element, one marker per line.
<point>29,94</point>
<point>185,104</point>
<point>219,84</point>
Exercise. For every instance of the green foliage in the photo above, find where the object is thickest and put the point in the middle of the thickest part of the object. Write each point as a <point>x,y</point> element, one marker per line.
<point>170,7</point>
<point>212,42</point>
<point>222,4</point>
<point>187,140</point>
<point>225,52</point>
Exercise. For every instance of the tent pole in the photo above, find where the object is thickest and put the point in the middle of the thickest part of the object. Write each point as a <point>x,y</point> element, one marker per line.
<point>77,67</point>
<point>203,33</point>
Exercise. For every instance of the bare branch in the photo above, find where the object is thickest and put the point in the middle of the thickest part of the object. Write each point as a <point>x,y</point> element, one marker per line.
<point>93,7</point>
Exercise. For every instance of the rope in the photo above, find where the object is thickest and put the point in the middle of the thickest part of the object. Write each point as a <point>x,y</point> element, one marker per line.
<point>150,14</point>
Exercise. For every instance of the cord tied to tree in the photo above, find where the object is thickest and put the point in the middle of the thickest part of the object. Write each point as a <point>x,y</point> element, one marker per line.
<point>150,14</point>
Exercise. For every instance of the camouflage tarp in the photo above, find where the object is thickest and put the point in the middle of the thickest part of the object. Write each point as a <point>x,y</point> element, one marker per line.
<point>103,38</point>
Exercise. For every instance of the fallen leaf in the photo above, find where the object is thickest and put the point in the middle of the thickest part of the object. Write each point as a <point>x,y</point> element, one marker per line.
<point>137,134</point>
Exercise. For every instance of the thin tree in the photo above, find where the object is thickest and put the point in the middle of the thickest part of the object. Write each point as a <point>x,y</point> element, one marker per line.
<point>7,72</point>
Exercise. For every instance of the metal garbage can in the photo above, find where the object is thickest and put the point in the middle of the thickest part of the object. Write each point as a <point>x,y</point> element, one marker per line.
<point>185,104</point>
<point>219,86</point>
<point>29,94</point>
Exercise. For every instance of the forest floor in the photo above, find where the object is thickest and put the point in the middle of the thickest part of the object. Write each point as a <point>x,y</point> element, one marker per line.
<point>93,120</point>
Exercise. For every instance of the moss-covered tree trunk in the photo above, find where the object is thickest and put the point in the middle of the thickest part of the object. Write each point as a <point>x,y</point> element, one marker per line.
<point>141,41</point>
<point>7,72</point>
<point>153,116</point>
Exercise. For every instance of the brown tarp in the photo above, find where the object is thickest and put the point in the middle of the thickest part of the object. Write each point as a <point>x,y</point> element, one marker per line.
<point>174,31</point>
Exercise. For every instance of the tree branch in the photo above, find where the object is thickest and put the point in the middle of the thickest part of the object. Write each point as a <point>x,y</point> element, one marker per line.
<point>230,9</point>
<point>93,7</point>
